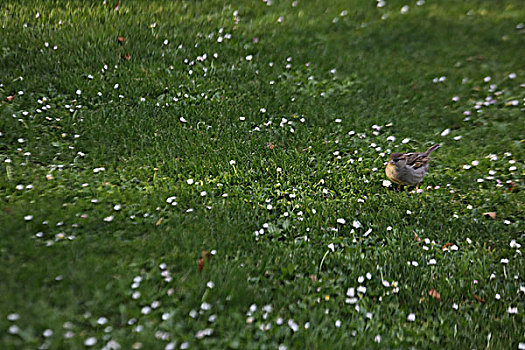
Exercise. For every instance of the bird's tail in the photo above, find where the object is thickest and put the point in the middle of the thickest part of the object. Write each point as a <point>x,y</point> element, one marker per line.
<point>432,149</point>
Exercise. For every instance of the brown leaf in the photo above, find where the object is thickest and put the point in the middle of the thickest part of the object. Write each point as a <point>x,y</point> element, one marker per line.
<point>416,236</point>
<point>10,98</point>
<point>434,294</point>
<point>126,57</point>
<point>478,298</point>
<point>118,5</point>
<point>512,186</point>
<point>490,214</point>
<point>159,221</point>
<point>121,40</point>
<point>270,145</point>
<point>201,264</point>
<point>204,254</point>
<point>313,278</point>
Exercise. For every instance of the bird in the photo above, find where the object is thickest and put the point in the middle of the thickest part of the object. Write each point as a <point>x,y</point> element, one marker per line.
<point>409,169</point>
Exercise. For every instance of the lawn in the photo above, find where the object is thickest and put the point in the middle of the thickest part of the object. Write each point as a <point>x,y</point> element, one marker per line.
<point>201,174</point>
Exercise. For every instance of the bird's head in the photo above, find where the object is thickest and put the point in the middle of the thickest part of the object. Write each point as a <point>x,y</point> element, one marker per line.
<point>395,157</point>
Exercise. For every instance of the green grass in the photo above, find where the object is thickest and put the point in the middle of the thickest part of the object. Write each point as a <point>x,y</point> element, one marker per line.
<point>284,128</point>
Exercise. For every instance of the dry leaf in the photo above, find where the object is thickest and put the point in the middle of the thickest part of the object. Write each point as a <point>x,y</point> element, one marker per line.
<point>270,145</point>
<point>491,214</point>
<point>121,40</point>
<point>118,5</point>
<point>512,186</point>
<point>126,57</point>
<point>478,298</point>
<point>204,254</point>
<point>416,236</point>
<point>159,221</point>
<point>434,294</point>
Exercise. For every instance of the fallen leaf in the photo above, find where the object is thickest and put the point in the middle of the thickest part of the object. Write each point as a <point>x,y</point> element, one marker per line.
<point>204,254</point>
<point>121,40</point>
<point>491,214</point>
<point>512,186</point>
<point>416,236</point>
<point>126,57</point>
<point>159,221</point>
<point>11,98</point>
<point>313,278</point>
<point>478,298</point>
<point>118,5</point>
<point>270,145</point>
<point>434,294</point>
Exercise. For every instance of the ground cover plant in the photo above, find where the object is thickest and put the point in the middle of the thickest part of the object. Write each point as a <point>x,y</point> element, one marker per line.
<point>209,174</point>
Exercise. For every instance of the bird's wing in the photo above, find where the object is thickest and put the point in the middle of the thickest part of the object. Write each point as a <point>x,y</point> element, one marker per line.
<point>416,160</point>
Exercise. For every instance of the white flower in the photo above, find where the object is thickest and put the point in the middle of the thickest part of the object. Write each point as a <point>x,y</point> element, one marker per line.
<point>294,326</point>
<point>341,221</point>
<point>205,306</point>
<point>116,86</point>
<point>47,333</point>
<point>361,289</point>
<point>117,207</point>
<point>102,321</point>
<point>356,224</point>
<point>90,341</point>
<point>189,181</point>
<point>203,193</point>
<point>387,183</point>
<point>504,261</point>
<point>512,310</point>
<point>166,42</point>
<point>338,323</point>
<point>249,58</point>
<point>108,218</point>
<point>404,9</point>
<point>350,292</point>
<point>514,244</point>
<point>210,284</point>
<point>411,317</point>
<point>331,246</point>
<point>407,140</point>
<point>28,217</point>
<point>444,133</point>
<point>432,262</point>
<point>13,317</point>
<point>79,92</point>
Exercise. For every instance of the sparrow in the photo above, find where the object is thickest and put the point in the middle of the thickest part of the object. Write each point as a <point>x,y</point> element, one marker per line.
<point>408,169</point>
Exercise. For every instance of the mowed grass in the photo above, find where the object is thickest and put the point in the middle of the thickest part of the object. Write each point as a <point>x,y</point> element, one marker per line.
<point>214,178</point>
